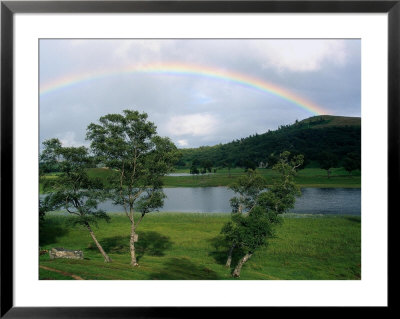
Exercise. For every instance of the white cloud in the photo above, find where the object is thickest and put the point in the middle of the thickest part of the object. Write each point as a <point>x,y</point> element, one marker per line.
<point>183,143</point>
<point>200,124</point>
<point>68,139</point>
<point>301,55</point>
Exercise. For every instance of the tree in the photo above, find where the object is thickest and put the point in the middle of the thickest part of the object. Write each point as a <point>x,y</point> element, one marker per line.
<point>281,195</point>
<point>250,232</point>
<point>248,164</point>
<point>253,222</point>
<point>129,144</point>
<point>194,170</point>
<point>272,160</point>
<point>228,165</point>
<point>50,157</point>
<point>327,161</point>
<point>207,165</point>
<point>44,204</point>
<point>247,188</point>
<point>196,162</point>
<point>44,207</point>
<point>351,162</point>
<point>73,190</point>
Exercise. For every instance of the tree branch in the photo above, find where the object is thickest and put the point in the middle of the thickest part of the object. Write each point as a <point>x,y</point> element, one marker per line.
<point>140,219</point>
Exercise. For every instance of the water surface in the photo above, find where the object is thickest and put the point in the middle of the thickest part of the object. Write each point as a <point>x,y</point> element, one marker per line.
<point>343,201</point>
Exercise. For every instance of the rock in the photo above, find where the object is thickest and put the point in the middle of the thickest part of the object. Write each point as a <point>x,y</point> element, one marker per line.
<point>65,253</point>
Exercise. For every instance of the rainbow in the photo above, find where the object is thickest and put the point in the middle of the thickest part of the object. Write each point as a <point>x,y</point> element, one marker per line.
<point>186,70</point>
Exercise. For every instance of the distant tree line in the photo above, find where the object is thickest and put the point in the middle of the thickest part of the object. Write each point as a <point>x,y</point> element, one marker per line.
<point>316,142</point>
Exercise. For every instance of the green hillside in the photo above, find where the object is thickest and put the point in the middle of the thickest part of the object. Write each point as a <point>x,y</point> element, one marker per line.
<point>316,138</point>
<point>323,121</point>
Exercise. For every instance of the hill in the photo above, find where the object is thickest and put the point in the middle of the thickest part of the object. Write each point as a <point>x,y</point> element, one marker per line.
<point>318,137</point>
<point>323,121</point>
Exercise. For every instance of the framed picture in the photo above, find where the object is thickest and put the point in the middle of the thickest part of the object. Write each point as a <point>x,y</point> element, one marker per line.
<point>203,72</point>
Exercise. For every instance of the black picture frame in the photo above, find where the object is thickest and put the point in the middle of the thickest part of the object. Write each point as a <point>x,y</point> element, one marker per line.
<point>9,8</point>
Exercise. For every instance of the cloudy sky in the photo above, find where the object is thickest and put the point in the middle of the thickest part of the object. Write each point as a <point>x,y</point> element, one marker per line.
<point>197,92</point>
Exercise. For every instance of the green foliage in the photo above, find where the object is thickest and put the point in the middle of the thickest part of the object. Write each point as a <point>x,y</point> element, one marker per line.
<point>337,135</point>
<point>281,195</point>
<point>129,144</point>
<point>352,162</point>
<point>194,170</point>
<point>207,165</point>
<point>255,211</point>
<point>327,160</point>
<point>73,190</point>
<point>44,207</point>
<point>49,157</point>
<point>151,200</point>
<point>248,188</point>
<point>248,231</point>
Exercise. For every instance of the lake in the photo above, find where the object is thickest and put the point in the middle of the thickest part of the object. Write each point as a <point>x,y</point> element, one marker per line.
<point>343,201</point>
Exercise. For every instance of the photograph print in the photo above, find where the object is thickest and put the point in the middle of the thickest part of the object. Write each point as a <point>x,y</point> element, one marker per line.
<point>199,159</point>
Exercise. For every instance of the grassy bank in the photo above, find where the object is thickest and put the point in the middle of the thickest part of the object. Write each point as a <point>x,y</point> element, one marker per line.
<point>309,177</point>
<point>187,246</point>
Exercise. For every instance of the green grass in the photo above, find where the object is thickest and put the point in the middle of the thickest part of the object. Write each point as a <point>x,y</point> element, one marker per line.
<point>187,246</point>
<point>309,177</point>
<point>102,173</point>
<point>51,275</point>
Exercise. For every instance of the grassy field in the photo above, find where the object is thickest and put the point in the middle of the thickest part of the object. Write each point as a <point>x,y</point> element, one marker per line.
<point>187,246</point>
<point>309,177</point>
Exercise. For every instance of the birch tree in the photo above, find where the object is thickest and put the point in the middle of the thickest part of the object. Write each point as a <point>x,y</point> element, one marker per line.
<point>247,189</point>
<point>73,190</point>
<point>128,143</point>
<point>251,228</point>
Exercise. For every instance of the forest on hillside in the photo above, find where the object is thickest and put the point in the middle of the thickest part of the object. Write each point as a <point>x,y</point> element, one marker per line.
<point>320,139</point>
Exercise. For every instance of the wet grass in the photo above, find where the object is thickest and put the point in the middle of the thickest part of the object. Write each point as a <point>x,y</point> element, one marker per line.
<point>178,246</point>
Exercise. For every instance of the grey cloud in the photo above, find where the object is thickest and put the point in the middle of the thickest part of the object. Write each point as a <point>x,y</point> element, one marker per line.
<point>239,111</point>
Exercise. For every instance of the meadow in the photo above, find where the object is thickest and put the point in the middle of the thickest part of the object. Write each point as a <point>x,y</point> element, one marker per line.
<point>188,246</point>
<point>308,177</point>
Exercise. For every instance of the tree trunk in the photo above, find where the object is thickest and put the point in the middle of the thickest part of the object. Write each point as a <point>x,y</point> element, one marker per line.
<point>107,259</point>
<point>132,241</point>
<point>229,260</point>
<point>236,272</point>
